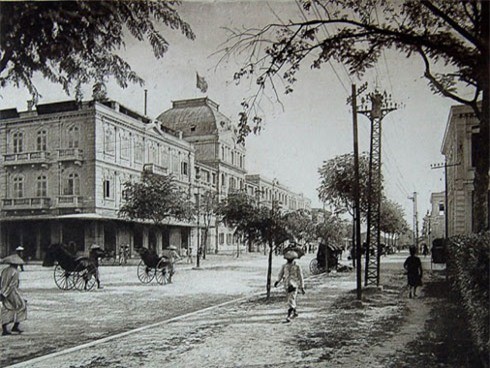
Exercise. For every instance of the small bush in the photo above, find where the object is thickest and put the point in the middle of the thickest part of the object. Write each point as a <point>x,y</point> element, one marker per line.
<point>468,268</point>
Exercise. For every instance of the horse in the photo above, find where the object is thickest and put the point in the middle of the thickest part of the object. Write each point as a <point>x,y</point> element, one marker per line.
<point>70,263</point>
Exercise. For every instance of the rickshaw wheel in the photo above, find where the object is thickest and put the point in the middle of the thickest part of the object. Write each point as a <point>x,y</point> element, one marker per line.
<point>63,279</point>
<point>85,281</point>
<point>162,273</point>
<point>145,273</point>
<point>314,269</point>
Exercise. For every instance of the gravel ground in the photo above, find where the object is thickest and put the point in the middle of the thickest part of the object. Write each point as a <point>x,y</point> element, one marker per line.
<point>385,329</point>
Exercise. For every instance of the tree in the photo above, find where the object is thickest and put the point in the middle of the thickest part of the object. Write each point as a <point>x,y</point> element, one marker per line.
<point>155,198</point>
<point>300,225</point>
<point>392,219</point>
<point>76,42</point>
<point>263,224</point>
<point>337,182</point>
<point>449,36</point>
<point>208,206</point>
<point>332,229</point>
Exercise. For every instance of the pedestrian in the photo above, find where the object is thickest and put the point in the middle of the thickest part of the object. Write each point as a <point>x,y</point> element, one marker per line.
<point>14,308</point>
<point>425,250</point>
<point>94,254</point>
<point>413,266</point>
<point>20,252</point>
<point>292,277</point>
<point>171,254</point>
<point>189,254</point>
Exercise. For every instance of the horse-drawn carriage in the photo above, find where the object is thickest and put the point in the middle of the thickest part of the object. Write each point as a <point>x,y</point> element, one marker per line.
<point>152,266</point>
<point>327,258</point>
<point>71,271</point>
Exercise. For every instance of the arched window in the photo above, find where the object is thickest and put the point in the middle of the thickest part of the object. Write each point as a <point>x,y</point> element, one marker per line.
<point>18,187</point>
<point>42,186</point>
<point>18,142</point>
<point>73,137</point>
<point>42,140</point>
<point>72,185</point>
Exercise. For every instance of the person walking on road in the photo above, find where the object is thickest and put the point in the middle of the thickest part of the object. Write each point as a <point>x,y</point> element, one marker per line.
<point>171,254</point>
<point>413,266</point>
<point>292,277</point>
<point>14,308</point>
<point>189,254</point>
<point>20,252</point>
<point>94,255</point>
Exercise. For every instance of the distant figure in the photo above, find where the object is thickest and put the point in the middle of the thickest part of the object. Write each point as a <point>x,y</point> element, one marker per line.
<point>94,254</point>
<point>20,252</point>
<point>425,250</point>
<point>413,266</point>
<point>171,254</point>
<point>189,254</point>
<point>292,275</point>
<point>72,247</point>
<point>14,308</point>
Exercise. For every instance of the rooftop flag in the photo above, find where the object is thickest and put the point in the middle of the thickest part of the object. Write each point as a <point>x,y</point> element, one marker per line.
<point>201,83</point>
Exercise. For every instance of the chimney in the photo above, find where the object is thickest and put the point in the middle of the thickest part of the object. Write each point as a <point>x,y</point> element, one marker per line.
<point>146,99</point>
<point>30,105</point>
<point>180,134</point>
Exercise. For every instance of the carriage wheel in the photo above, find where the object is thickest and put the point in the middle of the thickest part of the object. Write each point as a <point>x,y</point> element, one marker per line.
<point>162,273</point>
<point>63,279</point>
<point>85,280</point>
<point>314,269</point>
<point>145,273</point>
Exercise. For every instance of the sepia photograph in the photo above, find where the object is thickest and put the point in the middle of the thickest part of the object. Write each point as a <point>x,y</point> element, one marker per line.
<point>245,183</point>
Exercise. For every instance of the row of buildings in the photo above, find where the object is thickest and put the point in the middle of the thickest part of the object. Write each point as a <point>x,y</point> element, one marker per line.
<point>452,214</point>
<point>64,166</point>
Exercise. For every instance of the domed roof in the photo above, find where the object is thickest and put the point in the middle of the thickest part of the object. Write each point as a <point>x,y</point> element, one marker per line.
<point>194,117</point>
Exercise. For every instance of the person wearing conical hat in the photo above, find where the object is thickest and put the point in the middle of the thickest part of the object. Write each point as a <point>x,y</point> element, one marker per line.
<point>14,309</point>
<point>292,276</point>
<point>171,254</point>
<point>20,252</point>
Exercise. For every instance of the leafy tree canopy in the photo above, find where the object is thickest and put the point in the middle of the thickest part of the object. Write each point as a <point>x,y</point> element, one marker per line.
<point>332,229</point>
<point>392,219</point>
<point>155,198</point>
<point>76,42</point>
<point>337,182</point>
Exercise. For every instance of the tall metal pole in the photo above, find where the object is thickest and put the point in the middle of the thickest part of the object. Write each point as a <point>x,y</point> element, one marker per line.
<point>415,221</point>
<point>381,105</point>
<point>198,256</point>
<point>357,210</point>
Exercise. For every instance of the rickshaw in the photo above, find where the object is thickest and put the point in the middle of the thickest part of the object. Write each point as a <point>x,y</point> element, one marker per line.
<point>327,258</point>
<point>152,266</point>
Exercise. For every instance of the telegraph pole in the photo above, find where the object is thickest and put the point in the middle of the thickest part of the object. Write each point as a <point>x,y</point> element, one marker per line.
<point>415,221</point>
<point>381,105</point>
<point>357,210</point>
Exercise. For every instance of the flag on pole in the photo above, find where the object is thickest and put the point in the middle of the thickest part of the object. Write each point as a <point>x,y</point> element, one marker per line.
<point>201,83</point>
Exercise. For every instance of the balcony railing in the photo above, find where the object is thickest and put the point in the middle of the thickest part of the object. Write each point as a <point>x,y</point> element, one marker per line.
<point>26,203</point>
<point>36,157</point>
<point>70,201</point>
<point>70,154</point>
<point>155,169</point>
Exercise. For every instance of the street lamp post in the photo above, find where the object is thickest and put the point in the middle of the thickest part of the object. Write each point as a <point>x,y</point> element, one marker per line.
<point>198,255</point>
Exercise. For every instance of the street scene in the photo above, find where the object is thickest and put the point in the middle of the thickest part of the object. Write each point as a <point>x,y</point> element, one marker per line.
<point>245,183</point>
<point>218,317</point>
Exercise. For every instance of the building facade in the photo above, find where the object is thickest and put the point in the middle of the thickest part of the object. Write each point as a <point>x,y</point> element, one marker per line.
<point>64,166</point>
<point>459,149</point>
<point>63,170</point>
<point>433,226</point>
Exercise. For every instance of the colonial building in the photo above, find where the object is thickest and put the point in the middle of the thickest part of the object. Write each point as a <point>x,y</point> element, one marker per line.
<point>62,174</point>
<point>460,150</point>
<point>434,221</point>
<point>65,164</point>
<point>220,162</point>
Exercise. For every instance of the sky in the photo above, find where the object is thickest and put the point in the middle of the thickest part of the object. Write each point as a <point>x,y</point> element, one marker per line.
<point>311,125</point>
